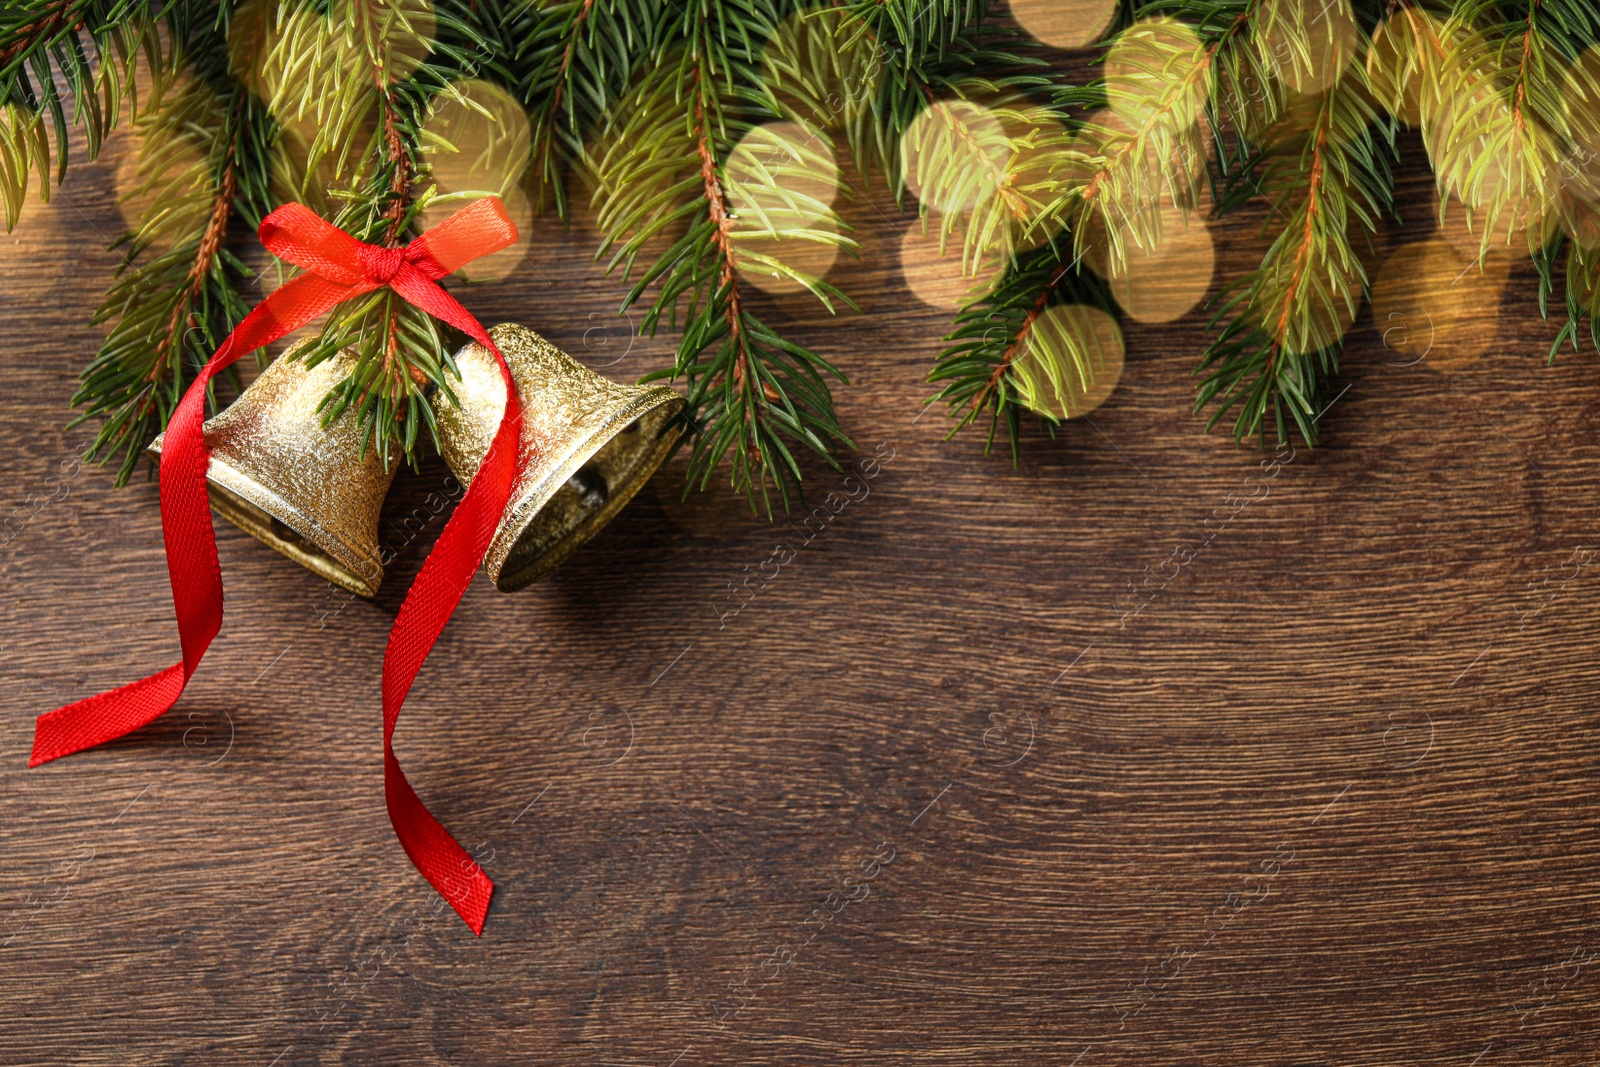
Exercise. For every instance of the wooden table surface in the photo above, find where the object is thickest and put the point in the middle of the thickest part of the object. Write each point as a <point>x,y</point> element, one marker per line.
<point>936,795</point>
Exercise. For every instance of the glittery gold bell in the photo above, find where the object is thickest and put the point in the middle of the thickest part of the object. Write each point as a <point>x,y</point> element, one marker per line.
<point>588,444</point>
<point>304,489</point>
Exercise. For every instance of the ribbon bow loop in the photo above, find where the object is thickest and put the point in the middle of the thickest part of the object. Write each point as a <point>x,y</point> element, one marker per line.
<point>338,267</point>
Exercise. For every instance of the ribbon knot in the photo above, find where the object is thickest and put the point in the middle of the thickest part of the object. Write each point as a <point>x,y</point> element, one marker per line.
<point>338,268</point>
<point>381,264</point>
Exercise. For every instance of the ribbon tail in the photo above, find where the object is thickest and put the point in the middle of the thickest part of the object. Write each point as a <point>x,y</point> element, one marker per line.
<point>191,541</point>
<point>429,603</point>
<point>431,849</point>
<point>106,716</point>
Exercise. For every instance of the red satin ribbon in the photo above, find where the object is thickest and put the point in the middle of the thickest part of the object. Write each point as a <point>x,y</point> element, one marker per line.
<point>339,268</point>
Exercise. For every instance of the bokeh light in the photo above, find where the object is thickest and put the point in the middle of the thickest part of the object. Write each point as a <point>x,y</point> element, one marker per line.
<point>1579,168</point>
<point>1434,306</point>
<point>1393,70</point>
<point>403,32</point>
<point>1064,23</point>
<point>1150,68</point>
<point>937,277</point>
<point>476,139</point>
<point>1181,191</point>
<point>1307,43</point>
<point>782,177</point>
<point>1165,284</point>
<point>954,154</point>
<point>1047,378</point>
<point>162,177</point>
<point>823,65</point>
<point>782,181</point>
<point>1039,158</point>
<point>496,266</point>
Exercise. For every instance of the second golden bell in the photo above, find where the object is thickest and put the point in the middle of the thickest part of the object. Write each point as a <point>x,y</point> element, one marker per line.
<point>588,445</point>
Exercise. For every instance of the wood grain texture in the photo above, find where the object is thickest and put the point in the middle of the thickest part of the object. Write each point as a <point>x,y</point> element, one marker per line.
<point>1327,798</point>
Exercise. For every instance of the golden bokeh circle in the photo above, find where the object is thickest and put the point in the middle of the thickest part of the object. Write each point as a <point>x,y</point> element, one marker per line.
<point>1064,24</point>
<point>252,34</point>
<point>476,139</point>
<point>944,123</point>
<point>937,278</point>
<point>1167,283</point>
<point>1040,154</point>
<point>823,63</point>
<point>1308,43</point>
<point>1177,189</point>
<point>782,180</point>
<point>160,170</point>
<point>496,266</point>
<point>1464,230</point>
<point>1048,382</point>
<point>782,177</point>
<point>1435,307</point>
<point>1579,169</point>
<point>1393,70</point>
<point>1137,88</point>
<point>803,255</point>
<point>408,28</point>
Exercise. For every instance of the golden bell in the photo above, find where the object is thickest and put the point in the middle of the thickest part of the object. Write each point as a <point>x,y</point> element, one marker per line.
<point>588,444</point>
<point>309,491</point>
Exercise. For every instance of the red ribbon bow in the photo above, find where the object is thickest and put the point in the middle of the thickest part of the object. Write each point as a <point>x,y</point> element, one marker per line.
<point>338,267</point>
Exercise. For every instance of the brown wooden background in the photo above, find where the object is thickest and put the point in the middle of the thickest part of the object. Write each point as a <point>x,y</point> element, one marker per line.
<point>1327,799</point>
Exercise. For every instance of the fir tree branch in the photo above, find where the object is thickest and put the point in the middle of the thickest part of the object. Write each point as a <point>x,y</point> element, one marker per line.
<point>979,369</point>
<point>388,75</point>
<point>43,59</point>
<point>661,166</point>
<point>1288,317</point>
<point>176,294</point>
<point>574,61</point>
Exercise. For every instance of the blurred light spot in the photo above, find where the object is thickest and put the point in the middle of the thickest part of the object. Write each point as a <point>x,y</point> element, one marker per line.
<point>1181,193</point>
<point>1152,68</point>
<point>476,139</point>
<point>1307,43</point>
<point>937,279</point>
<point>1393,69</point>
<point>823,63</point>
<point>782,181</point>
<point>1048,379</point>
<point>1166,284</point>
<point>1040,156</point>
<point>1064,23</point>
<point>954,154</point>
<point>1464,229</point>
<point>1180,261</point>
<point>796,255</point>
<point>405,27</point>
<point>782,177</point>
<point>162,177</point>
<point>477,142</point>
<point>252,33</point>
<point>1579,169</point>
<point>496,266</point>
<point>1432,305</point>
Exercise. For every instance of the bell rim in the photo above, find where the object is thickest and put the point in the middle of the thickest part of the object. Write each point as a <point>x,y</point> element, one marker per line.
<point>348,561</point>
<point>521,512</point>
<point>239,486</point>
